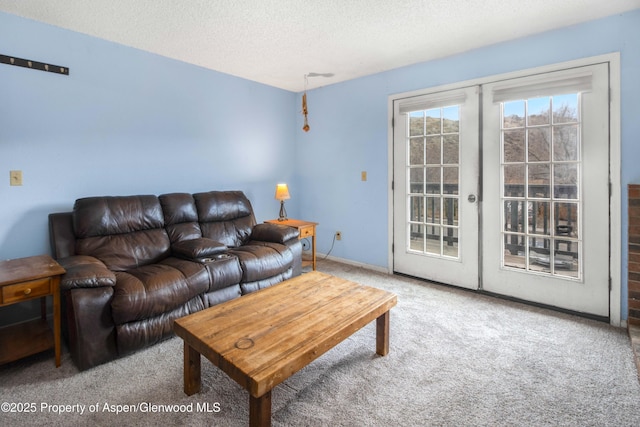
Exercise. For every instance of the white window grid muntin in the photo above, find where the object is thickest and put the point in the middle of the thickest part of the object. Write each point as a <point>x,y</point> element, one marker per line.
<point>424,223</point>
<point>552,236</point>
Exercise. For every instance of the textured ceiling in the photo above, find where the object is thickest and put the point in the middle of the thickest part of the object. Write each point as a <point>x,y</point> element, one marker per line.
<point>277,42</point>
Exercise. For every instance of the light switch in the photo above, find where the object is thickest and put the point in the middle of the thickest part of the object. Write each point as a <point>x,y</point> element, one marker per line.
<point>15,177</point>
<point>363,175</point>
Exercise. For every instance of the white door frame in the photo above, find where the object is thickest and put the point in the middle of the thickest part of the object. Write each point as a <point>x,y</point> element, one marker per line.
<point>615,267</point>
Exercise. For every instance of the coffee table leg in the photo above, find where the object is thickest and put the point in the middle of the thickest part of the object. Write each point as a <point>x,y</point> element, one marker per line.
<point>382,334</point>
<point>191,370</point>
<point>260,410</point>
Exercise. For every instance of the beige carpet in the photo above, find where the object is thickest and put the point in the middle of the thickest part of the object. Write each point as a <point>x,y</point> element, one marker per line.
<point>456,359</point>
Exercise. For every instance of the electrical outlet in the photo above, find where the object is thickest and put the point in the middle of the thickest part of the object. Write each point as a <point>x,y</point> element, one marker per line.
<point>338,235</point>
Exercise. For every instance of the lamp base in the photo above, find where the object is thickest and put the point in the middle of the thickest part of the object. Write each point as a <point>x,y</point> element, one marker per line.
<point>283,212</point>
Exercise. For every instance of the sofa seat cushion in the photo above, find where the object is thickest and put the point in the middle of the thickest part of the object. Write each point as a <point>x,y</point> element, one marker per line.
<point>261,260</point>
<point>154,289</point>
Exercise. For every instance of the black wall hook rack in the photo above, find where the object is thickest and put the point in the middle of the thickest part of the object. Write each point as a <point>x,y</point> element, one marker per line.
<point>35,65</point>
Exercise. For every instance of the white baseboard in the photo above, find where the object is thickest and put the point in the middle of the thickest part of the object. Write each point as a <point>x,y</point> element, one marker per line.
<point>320,257</point>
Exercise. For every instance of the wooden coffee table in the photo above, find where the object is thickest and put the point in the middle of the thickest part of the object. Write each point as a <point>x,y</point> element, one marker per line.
<point>263,338</point>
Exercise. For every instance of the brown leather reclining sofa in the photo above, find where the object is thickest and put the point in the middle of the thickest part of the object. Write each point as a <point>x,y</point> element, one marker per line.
<point>136,263</point>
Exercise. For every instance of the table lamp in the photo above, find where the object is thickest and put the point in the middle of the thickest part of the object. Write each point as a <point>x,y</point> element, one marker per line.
<point>282,194</point>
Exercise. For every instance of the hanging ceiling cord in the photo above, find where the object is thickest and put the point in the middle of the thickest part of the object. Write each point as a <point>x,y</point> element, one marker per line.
<point>304,105</point>
<point>305,111</point>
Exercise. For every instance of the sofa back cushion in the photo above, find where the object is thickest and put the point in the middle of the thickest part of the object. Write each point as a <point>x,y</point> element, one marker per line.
<point>123,232</point>
<point>180,217</point>
<point>225,216</point>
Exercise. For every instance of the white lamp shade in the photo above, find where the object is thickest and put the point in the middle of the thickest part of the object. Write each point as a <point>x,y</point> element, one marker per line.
<point>282,192</point>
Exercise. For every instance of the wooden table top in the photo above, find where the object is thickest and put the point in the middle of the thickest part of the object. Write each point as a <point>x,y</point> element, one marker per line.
<point>30,268</point>
<point>291,222</point>
<point>262,338</point>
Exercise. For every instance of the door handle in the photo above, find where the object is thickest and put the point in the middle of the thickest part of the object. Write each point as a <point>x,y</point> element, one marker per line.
<point>471,198</point>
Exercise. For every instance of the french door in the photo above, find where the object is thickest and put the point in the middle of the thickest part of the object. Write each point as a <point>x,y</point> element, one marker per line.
<point>524,213</point>
<point>436,187</point>
<point>546,177</point>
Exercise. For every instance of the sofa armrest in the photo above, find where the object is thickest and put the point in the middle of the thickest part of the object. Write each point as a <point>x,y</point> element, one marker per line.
<point>85,272</point>
<point>276,233</point>
<point>89,326</point>
<point>198,249</point>
<point>61,236</point>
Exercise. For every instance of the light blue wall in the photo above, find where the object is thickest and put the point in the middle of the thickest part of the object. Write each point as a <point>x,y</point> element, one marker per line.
<point>127,122</point>
<point>349,130</point>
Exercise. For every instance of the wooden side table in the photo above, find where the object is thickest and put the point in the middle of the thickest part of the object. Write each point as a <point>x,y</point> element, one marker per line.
<point>306,229</point>
<point>24,279</point>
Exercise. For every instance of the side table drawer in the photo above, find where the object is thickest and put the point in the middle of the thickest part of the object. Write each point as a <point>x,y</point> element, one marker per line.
<point>25,291</point>
<point>306,232</point>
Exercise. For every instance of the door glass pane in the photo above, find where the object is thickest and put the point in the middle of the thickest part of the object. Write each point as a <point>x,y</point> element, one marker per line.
<point>514,145</point>
<point>514,180</point>
<point>416,180</point>
<point>539,259</point>
<point>450,242</point>
<point>539,218</point>
<point>541,231</point>
<point>433,180</point>
<point>416,209</point>
<point>451,150</point>
<point>566,258</point>
<point>539,180</point>
<point>566,219</point>
<point>513,114</point>
<point>450,206</point>
<point>434,172</point>
<point>565,143</point>
<point>433,150</point>
<point>416,151</point>
<point>416,123</point>
<point>433,210</point>
<point>514,215</point>
<point>565,108</point>
<point>434,240</point>
<point>565,181</point>
<point>538,111</point>
<point>416,237</point>
<point>451,120</point>
<point>539,144</point>
<point>433,121</point>
<point>451,182</point>
<point>514,252</point>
